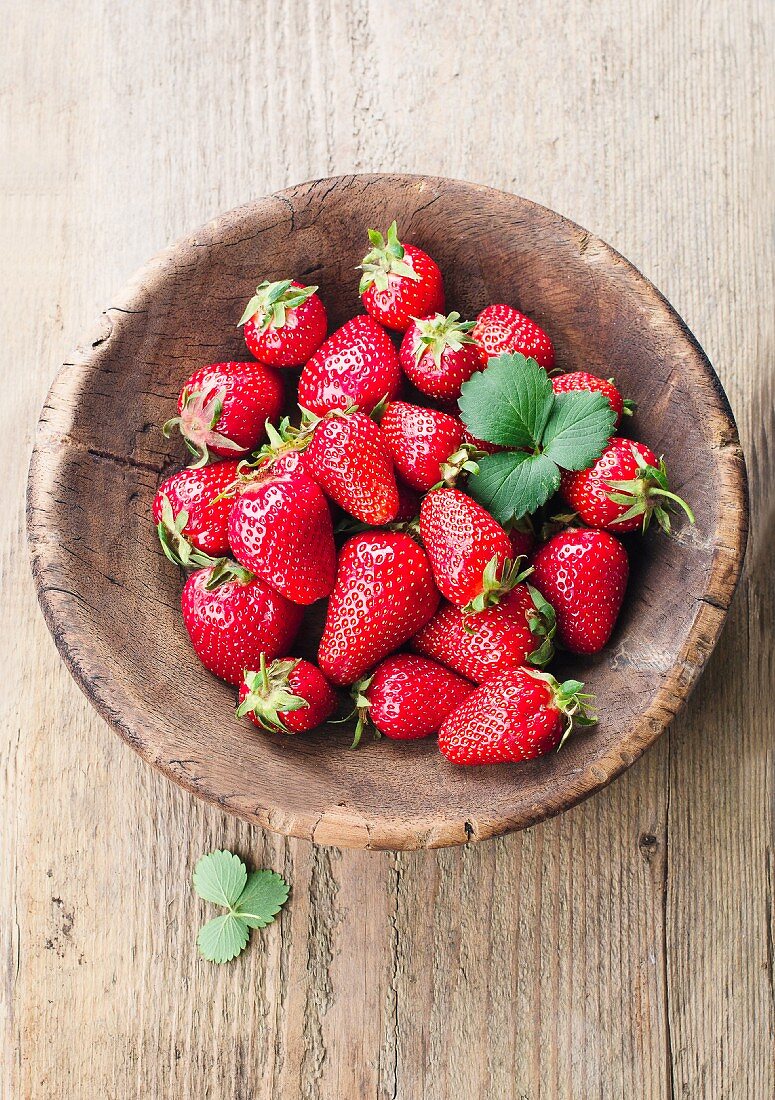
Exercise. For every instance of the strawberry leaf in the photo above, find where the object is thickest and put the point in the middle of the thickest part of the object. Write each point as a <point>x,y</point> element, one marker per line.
<point>509,402</point>
<point>510,485</point>
<point>262,899</point>
<point>222,938</point>
<point>579,426</point>
<point>220,877</point>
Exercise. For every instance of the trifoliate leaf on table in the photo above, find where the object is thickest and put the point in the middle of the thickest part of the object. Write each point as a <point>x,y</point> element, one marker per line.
<point>222,938</point>
<point>263,897</point>
<point>220,877</point>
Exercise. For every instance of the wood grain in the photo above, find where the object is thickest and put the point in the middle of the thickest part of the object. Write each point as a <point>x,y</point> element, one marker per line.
<point>619,950</point>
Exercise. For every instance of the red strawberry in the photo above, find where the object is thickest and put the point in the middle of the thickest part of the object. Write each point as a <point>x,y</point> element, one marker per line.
<point>223,408</point>
<point>438,355</point>
<point>357,365</point>
<point>470,552</point>
<point>408,503</point>
<point>517,715</point>
<point>623,489</point>
<point>384,593</point>
<point>583,575</point>
<point>348,457</point>
<point>408,697</point>
<point>517,632</point>
<point>233,617</point>
<point>285,323</point>
<point>522,537</point>
<point>583,380</point>
<point>185,505</point>
<point>399,281</point>
<point>426,444</point>
<point>502,328</point>
<point>280,528</point>
<point>481,444</point>
<point>287,696</point>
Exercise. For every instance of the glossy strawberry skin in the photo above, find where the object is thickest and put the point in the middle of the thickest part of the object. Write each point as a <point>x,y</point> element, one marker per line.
<point>194,492</point>
<point>232,625</point>
<point>307,682</point>
<point>349,459</point>
<point>481,444</point>
<point>583,574</point>
<point>510,718</point>
<point>441,380</point>
<point>293,343</point>
<point>406,298</point>
<point>581,380</point>
<point>357,365</point>
<point>522,543</point>
<point>410,696</point>
<point>501,328</point>
<point>252,394</point>
<point>420,441</point>
<point>587,490</point>
<point>384,593</point>
<point>481,645</point>
<point>280,529</point>
<point>460,538</point>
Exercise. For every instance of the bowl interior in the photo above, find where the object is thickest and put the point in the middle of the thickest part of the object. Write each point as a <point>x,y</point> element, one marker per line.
<point>112,600</point>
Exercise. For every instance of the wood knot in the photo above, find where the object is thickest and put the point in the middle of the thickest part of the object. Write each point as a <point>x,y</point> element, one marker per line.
<point>648,846</point>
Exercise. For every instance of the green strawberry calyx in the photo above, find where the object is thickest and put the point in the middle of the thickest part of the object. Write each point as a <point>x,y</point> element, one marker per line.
<point>268,695</point>
<point>543,624</point>
<point>647,494</point>
<point>177,549</point>
<point>360,709</point>
<point>200,412</point>
<point>436,334</point>
<point>385,258</point>
<point>496,582</point>
<point>269,306</point>
<point>571,700</point>
<point>463,461</point>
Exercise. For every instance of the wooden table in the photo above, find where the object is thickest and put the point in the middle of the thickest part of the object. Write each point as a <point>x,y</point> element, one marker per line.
<point>624,949</point>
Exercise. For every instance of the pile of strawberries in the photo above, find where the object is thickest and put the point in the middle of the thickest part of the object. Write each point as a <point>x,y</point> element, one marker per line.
<point>360,500</point>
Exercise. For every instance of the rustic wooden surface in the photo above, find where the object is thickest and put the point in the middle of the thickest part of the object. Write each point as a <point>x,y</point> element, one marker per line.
<point>623,949</point>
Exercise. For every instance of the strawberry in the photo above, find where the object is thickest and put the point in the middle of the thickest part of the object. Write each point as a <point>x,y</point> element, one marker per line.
<point>583,575</point>
<point>185,505</point>
<point>517,715</point>
<point>623,489</point>
<point>583,380</point>
<point>408,503</point>
<point>223,407</point>
<point>408,697</point>
<point>502,328</point>
<point>522,537</point>
<point>426,444</point>
<point>481,444</point>
<point>280,528</point>
<point>438,355</point>
<point>470,552</point>
<point>233,618</point>
<point>349,458</point>
<point>357,365</point>
<point>516,632</point>
<point>285,323</point>
<point>384,593</point>
<point>399,281</point>
<point>287,696</point>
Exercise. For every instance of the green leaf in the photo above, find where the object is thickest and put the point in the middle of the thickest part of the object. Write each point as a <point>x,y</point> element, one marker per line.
<point>510,486</point>
<point>220,877</point>
<point>578,428</point>
<point>509,402</point>
<point>263,897</point>
<point>222,938</point>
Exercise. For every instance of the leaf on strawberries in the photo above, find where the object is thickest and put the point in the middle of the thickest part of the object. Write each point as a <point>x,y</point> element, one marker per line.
<point>510,485</point>
<point>509,403</point>
<point>577,429</point>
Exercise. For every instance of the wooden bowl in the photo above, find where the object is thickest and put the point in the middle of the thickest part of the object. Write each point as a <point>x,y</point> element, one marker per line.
<point>111,600</point>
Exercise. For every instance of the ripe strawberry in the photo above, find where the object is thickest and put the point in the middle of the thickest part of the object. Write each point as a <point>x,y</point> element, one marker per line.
<point>438,355</point>
<point>481,444</point>
<point>223,407</point>
<point>502,328</point>
<point>357,365</point>
<point>280,528</point>
<point>232,618</point>
<point>426,444</point>
<point>399,281</point>
<point>408,503</point>
<point>348,457</point>
<point>522,537</point>
<point>287,696</point>
<point>408,697</point>
<point>470,552</point>
<point>384,593</point>
<point>582,380</point>
<point>185,506</point>
<point>583,575</point>
<point>517,715</point>
<point>623,489</point>
<point>285,323</point>
<point>516,632</point>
